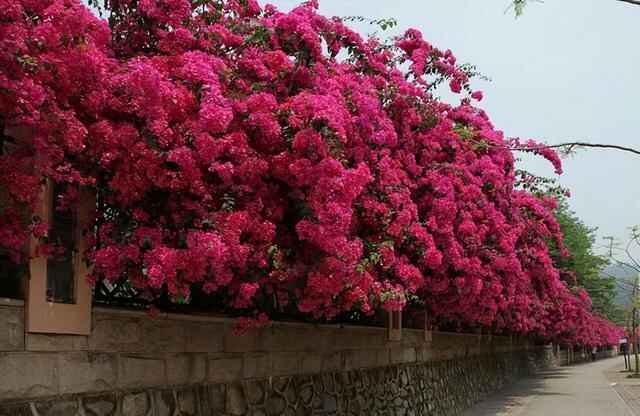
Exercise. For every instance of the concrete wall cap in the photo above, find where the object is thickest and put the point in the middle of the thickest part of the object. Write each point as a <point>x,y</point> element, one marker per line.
<point>11,302</point>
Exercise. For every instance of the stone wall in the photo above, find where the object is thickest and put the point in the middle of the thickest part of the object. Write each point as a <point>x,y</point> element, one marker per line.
<point>177,365</point>
<point>562,356</point>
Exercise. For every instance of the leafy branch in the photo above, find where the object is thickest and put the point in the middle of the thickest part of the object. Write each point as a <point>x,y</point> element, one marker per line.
<point>384,23</point>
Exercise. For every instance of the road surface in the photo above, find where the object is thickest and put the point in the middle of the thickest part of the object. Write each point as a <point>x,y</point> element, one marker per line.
<point>595,389</point>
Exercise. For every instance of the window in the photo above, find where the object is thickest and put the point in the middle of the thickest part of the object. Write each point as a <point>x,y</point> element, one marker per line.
<point>59,296</point>
<point>60,265</point>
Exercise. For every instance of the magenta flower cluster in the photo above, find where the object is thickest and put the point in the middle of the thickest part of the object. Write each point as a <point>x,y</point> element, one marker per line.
<point>279,159</point>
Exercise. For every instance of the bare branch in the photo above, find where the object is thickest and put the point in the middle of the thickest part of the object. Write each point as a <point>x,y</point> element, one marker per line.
<point>633,260</point>
<point>518,5</point>
<point>636,2</point>
<point>571,145</point>
<point>625,264</point>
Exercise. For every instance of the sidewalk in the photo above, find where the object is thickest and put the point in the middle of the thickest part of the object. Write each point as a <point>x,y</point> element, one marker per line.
<point>581,390</point>
<point>627,388</point>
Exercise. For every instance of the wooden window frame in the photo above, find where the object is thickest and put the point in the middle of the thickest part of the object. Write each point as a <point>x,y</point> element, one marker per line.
<point>43,316</point>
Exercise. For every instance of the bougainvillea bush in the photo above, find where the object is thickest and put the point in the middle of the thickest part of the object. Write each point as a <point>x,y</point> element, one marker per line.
<point>278,161</point>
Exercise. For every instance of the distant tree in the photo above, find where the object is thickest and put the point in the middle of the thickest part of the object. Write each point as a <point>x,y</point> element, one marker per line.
<point>630,286</point>
<point>581,266</point>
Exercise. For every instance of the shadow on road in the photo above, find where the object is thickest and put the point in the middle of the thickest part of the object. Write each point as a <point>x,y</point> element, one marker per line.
<point>579,390</point>
<point>518,393</point>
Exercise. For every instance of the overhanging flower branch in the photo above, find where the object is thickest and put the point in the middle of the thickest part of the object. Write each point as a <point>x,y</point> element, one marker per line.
<point>569,147</point>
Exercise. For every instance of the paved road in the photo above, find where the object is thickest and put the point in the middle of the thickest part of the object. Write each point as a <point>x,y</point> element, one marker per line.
<point>581,390</point>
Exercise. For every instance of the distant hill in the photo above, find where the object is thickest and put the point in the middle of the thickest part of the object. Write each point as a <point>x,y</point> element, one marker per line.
<point>625,277</point>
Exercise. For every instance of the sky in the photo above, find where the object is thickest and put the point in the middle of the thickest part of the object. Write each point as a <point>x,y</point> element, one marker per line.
<point>565,70</point>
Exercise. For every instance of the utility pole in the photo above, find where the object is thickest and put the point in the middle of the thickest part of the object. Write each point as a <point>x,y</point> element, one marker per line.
<point>610,239</point>
<point>634,325</point>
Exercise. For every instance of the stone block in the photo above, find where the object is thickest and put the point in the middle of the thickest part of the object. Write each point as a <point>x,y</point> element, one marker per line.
<point>57,408</point>
<point>58,343</point>
<point>204,337</point>
<point>474,351</point>
<point>382,357</point>
<point>256,365</point>
<point>100,405</point>
<point>357,338</point>
<point>20,409</point>
<point>332,362</point>
<point>237,343</point>
<point>116,334</point>
<point>186,368</point>
<point>224,370</point>
<point>412,337</point>
<point>409,355</point>
<point>449,355</point>
<point>11,329</point>
<point>217,398</point>
<point>286,363</point>
<point>26,375</point>
<point>355,359</point>
<point>164,403</point>
<point>187,402</point>
<point>236,404</point>
<point>141,371</point>
<point>137,404</point>
<point>277,405</point>
<point>402,355</point>
<point>291,338</point>
<point>256,392</point>
<point>312,363</point>
<point>425,354</point>
<point>445,341</point>
<point>163,336</point>
<point>82,372</point>
<point>329,404</point>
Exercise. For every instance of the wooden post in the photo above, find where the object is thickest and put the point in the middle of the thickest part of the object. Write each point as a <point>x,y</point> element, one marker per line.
<point>394,325</point>
<point>428,336</point>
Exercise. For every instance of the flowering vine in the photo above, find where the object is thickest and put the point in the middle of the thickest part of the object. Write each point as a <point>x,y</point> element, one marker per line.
<point>278,160</point>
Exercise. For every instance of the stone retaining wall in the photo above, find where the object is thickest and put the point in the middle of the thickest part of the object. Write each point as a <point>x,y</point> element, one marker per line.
<point>176,365</point>
<point>563,357</point>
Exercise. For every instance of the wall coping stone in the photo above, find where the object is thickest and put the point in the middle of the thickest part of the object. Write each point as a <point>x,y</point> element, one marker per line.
<point>169,316</point>
<point>11,302</point>
<point>16,303</point>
